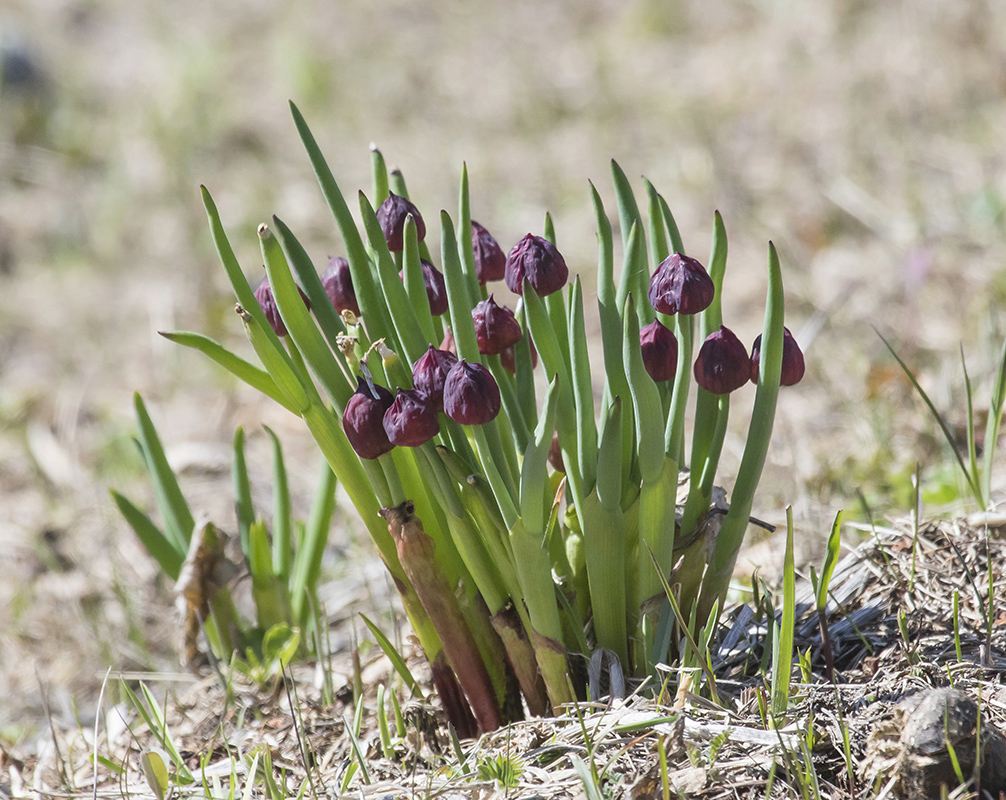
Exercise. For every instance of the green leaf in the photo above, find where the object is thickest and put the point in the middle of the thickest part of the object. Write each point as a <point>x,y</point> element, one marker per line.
<point>256,378</point>
<point>270,605</point>
<point>242,490</point>
<point>163,550</point>
<point>282,534</point>
<point>379,173</point>
<point>583,389</point>
<point>307,559</point>
<point>534,473</point>
<point>178,520</point>
<point>994,421</point>
<point>394,657</point>
<point>156,773</point>
<point>280,643</point>
<point>831,555</point>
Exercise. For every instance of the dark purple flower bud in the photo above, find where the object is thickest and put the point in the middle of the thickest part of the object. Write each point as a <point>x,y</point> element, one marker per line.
<point>338,285</point>
<point>471,395</point>
<point>267,302</point>
<point>537,260</point>
<point>680,285</point>
<point>392,214</point>
<point>723,364</point>
<point>430,372</point>
<point>792,360</point>
<point>363,420</point>
<point>490,263</point>
<point>436,289</point>
<point>555,454</point>
<point>496,327</point>
<point>508,358</point>
<point>412,419</point>
<point>660,351</point>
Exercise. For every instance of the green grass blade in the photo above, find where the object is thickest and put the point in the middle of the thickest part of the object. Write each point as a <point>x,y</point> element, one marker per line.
<point>976,478</point>
<point>994,421</point>
<point>163,550</point>
<point>657,230</point>
<point>948,435</point>
<point>534,473</point>
<point>282,532</point>
<point>466,248</point>
<point>394,657</point>
<point>307,559</point>
<point>178,520</point>
<point>243,508</point>
<point>831,555</point>
<point>782,666</point>
<point>256,378</point>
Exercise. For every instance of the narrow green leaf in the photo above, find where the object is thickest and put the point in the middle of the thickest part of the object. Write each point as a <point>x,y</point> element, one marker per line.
<point>379,174</point>
<point>972,446</point>
<point>735,523</point>
<point>415,286</point>
<point>242,490</point>
<point>394,657</point>
<point>256,378</point>
<point>645,400</point>
<point>307,559</point>
<point>782,666</point>
<point>178,520</point>
<point>831,554</point>
<point>994,421</point>
<point>282,531</point>
<point>360,268</point>
<point>947,434</point>
<point>534,474</point>
<point>324,312</point>
<point>269,605</point>
<point>583,389</point>
<point>297,318</point>
<point>277,362</point>
<point>163,550</point>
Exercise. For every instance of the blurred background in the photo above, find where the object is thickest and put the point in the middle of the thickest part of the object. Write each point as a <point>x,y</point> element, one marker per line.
<point>864,139</point>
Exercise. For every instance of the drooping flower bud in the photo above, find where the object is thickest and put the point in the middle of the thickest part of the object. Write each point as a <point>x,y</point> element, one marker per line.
<point>430,372</point>
<point>392,214</point>
<point>267,302</point>
<point>490,263</point>
<point>496,327</point>
<point>723,364</point>
<point>792,360</point>
<point>338,285</point>
<point>471,395</point>
<point>508,358</point>
<point>555,454</point>
<point>680,285</point>
<point>411,420</point>
<point>436,288</point>
<point>660,351</point>
<point>363,420</point>
<point>537,260</point>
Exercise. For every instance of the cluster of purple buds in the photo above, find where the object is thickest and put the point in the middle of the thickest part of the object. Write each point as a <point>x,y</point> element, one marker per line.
<point>681,285</point>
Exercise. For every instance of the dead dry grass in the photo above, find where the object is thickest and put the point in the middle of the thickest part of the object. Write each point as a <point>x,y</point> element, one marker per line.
<point>862,138</point>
